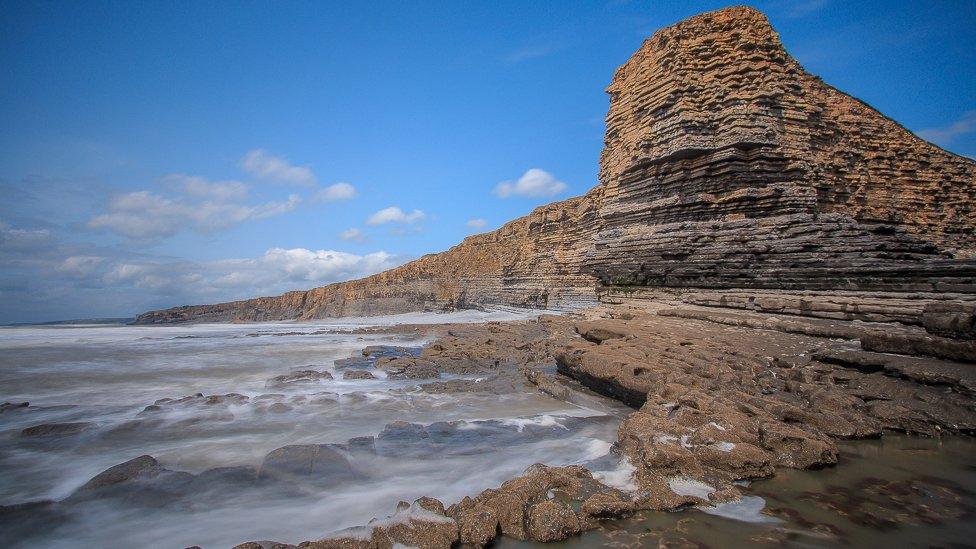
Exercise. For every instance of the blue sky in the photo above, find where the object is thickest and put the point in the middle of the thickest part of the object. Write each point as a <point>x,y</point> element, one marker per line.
<point>162,153</point>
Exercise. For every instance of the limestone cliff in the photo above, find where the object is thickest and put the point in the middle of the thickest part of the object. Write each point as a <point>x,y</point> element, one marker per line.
<point>725,165</point>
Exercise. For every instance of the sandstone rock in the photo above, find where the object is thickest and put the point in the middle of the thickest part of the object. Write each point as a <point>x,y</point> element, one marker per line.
<point>552,521</point>
<point>608,504</point>
<point>952,319</point>
<point>433,505</point>
<point>904,344</point>
<point>300,376</point>
<point>379,351</point>
<point>408,368</point>
<point>357,374</point>
<point>414,526</point>
<point>477,526</point>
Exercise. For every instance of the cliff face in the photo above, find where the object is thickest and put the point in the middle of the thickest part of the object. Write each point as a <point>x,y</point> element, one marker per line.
<point>725,165</point>
<point>533,261</point>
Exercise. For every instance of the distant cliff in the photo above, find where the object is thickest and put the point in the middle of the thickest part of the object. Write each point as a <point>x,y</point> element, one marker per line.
<point>725,165</point>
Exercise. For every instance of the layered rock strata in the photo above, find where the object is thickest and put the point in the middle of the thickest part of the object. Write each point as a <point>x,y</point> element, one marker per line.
<point>728,166</point>
<point>725,166</point>
<point>534,261</point>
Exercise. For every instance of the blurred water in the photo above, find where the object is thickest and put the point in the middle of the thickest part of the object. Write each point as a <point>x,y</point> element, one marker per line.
<point>107,375</point>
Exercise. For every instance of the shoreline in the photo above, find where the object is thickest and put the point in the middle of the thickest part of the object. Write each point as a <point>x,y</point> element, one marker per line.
<point>679,458</point>
<point>705,400</point>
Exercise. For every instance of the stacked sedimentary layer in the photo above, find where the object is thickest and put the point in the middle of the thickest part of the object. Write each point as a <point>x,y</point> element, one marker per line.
<point>725,165</point>
<point>728,166</point>
<point>534,261</point>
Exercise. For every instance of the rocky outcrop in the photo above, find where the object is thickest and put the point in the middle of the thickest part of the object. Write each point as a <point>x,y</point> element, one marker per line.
<point>726,167</point>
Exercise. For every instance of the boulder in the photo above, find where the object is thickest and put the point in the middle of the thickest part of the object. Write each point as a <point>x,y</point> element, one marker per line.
<point>141,481</point>
<point>312,462</point>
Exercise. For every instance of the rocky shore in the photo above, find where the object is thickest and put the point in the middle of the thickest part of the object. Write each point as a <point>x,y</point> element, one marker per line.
<point>716,397</point>
<point>767,267</point>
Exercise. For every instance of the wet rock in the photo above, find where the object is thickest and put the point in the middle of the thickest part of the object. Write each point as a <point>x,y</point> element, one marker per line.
<point>229,398</point>
<point>367,444</point>
<point>793,447</point>
<point>408,368</point>
<point>140,481</point>
<point>7,406</point>
<point>357,374</point>
<point>279,408</point>
<point>379,351</point>
<point>552,521</point>
<point>300,376</point>
<point>414,526</point>
<point>608,504</point>
<point>56,429</point>
<point>511,504</point>
<point>226,477</point>
<point>477,526</point>
<point>321,463</point>
<point>264,544</point>
<point>144,466</point>
<point>433,505</point>
<point>357,363</point>
<point>339,542</point>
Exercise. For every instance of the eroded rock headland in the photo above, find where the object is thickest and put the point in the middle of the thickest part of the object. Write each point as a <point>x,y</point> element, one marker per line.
<point>729,176</point>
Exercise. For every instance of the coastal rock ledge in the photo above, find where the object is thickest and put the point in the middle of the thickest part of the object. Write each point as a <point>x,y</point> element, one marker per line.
<point>729,174</point>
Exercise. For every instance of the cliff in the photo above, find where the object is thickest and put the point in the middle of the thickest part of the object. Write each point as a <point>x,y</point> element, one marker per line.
<point>725,166</point>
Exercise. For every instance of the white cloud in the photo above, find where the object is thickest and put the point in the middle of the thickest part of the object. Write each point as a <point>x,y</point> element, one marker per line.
<point>964,125</point>
<point>534,182</point>
<point>22,240</point>
<point>394,214</point>
<point>200,187</point>
<point>339,191</point>
<point>476,223</point>
<point>144,215</point>
<point>278,270</point>
<point>45,277</point>
<point>353,234</point>
<point>80,265</point>
<point>266,166</point>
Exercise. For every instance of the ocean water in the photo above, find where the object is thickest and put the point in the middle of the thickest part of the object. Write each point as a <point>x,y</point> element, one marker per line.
<point>445,445</point>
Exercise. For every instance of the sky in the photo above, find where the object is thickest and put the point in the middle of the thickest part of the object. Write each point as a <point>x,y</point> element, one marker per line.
<point>156,154</point>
